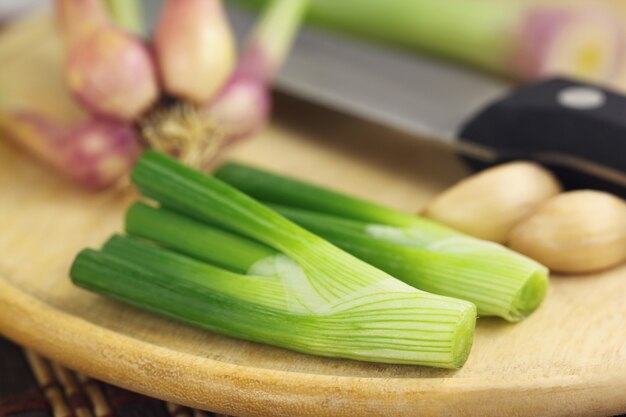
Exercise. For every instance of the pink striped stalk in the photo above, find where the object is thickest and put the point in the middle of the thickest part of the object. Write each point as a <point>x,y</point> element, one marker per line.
<point>243,105</point>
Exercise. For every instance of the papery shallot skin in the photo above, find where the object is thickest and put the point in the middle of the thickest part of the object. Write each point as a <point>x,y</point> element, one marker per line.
<point>194,48</point>
<point>108,70</point>
<point>244,103</point>
<point>112,74</point>
<point>94,153</point>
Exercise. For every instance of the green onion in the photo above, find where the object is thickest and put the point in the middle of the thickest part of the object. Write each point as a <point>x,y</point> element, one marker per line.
<point>499,282</point>
<point>196,239</point>
<point>265,308</point>
<point>512,38</point>
<point>420,252</point>
<point>311,297</point>
<point>175,286</point>
<point>496,286</point>
<point>128,14</point>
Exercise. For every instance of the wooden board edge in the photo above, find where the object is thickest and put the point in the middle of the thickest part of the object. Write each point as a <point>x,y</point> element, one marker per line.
<point>233,389</point>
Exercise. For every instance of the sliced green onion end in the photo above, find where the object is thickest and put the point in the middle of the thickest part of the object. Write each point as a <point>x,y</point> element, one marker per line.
<point>530,295</point>
<point>464,337</point>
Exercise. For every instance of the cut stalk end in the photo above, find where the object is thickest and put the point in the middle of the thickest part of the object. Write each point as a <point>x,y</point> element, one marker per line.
<point>464,338</point>
<point>584,43</point>
<point>530,296</point>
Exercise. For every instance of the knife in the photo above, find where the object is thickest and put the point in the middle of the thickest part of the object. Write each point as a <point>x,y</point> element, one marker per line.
<point>576,129</point>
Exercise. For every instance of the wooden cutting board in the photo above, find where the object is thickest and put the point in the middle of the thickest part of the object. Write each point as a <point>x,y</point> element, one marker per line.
<point>567,359</point>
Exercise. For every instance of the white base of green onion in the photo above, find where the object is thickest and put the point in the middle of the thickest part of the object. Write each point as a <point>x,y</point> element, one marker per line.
<point>352,309</point>
<point>421,252</point>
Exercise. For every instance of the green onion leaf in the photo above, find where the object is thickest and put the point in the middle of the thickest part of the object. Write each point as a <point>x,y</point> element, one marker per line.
<point>409,327</point>
<point>196,239</point>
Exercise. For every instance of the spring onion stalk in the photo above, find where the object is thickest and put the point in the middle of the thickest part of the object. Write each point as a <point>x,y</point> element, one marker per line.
<point>269,309</point>
<point>242,105</point>
<point>196,239</point>
<point>108,70</point>
<point>194,48</point>
<point>278,189</point>
<point>420,252</point>
<point>94,152</point>
<point>497,286</point>
<point>512,38</point>
<point>331,303</point>
<point>127,14</point>
<point>498,281</point>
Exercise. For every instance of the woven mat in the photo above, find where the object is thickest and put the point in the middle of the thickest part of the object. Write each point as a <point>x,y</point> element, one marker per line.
<point>31,386</point>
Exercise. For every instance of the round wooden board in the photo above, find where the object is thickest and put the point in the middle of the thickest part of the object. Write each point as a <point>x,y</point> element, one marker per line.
<point>567,359</point>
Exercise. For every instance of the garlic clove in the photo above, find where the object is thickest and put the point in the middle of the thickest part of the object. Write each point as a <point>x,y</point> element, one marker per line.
<point>489,204</point>
<point>578,231</point>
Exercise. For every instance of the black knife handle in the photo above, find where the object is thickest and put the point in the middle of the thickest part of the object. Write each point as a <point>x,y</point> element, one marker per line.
<point>557,121</point>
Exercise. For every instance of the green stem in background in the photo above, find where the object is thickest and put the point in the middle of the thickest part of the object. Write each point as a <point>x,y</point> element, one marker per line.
<point>196,239</point>
<point>499,282</point>
<point>275,188</point>
<point>128,14</point>
<point>274,34</point>
<point>512,38</point>
<point>472,31</point>
<point>357,311</point>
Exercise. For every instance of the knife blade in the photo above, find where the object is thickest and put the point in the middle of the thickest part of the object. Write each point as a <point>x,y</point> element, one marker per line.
<point>572,127</point>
